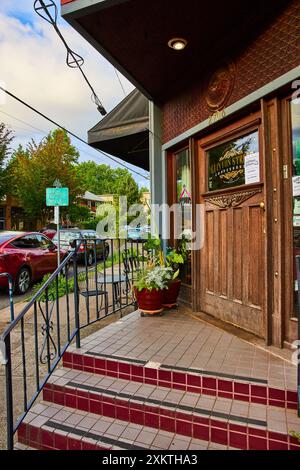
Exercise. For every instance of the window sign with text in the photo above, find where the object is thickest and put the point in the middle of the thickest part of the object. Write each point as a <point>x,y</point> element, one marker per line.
<point>234,163</point>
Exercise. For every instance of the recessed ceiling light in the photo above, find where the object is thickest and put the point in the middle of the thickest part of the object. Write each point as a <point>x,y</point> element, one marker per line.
<point>178,44</point>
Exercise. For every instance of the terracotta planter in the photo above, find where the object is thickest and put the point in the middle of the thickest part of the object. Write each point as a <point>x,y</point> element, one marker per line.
<point>171,294</point>
<point>149,301</point>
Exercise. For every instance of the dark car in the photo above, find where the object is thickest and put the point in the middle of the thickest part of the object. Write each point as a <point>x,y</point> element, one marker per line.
<point>68,239</point>
<point>27,257</point>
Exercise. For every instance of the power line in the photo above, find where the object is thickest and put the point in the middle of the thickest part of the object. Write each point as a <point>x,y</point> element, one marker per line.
<point>69,132</point>
<point>73,59</point>
<point>119,79</point>
<point>23,122</point>
<point>41,131</point>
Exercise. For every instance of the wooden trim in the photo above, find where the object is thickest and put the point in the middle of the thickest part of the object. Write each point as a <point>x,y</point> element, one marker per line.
<point>236,129</point>
<point>268,190</point>
<point>290,323</point>
<point>195,259</point>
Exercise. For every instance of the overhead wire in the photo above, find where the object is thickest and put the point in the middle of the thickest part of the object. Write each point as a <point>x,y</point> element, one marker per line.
<point>12,95</point>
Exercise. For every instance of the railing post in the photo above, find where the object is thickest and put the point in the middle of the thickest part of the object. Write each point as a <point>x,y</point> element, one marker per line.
<point>76,300</point>
<point>9,395</point>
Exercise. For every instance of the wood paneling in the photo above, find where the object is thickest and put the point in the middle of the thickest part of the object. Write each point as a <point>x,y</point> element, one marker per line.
<point>232,261</point>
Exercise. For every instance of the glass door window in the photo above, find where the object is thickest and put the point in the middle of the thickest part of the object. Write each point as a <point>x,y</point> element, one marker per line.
<point>295,131</point>
<point>184,204</point>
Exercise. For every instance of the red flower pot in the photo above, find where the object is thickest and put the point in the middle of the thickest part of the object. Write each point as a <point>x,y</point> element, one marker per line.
<point>171,294</point>
<point>149,301</point>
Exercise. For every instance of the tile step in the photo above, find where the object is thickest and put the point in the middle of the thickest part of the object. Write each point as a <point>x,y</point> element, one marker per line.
<point>221,420</point>
<point>248,389</point>
<point>53,427</point>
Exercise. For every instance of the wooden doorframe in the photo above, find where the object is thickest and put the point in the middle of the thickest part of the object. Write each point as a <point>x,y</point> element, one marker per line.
<point>290,322</point>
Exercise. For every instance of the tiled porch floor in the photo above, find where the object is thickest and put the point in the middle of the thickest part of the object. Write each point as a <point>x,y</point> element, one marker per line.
<point>177,339</point>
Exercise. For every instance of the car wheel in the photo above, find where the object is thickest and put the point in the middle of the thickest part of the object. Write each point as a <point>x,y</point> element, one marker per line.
<point>90,258</point>
<point>23,281</point>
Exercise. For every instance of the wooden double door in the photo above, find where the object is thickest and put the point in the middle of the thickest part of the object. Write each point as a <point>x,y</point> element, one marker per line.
<point>232,261</point>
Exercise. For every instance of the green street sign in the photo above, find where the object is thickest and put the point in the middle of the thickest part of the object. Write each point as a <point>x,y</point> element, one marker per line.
<point>57,196</point>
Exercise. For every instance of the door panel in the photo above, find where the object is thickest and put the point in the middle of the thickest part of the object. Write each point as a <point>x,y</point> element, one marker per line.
<point>233,254</point>
<point>232,261</point>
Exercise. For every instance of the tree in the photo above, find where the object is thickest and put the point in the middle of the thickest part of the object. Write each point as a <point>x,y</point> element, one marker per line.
<point>6,136</point>
<point>102,179</point>
<point>38,166</point>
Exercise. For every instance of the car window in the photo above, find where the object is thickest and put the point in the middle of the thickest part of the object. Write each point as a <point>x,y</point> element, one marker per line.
<point>27,242</point>
<point>44,242</point>
<point>68,236</point>
<point>87,235</point>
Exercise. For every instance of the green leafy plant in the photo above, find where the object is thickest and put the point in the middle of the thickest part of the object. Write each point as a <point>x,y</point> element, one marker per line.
<point>295,434</point>
<point>174,260</point>
<point>156,277</point>
<point>61,289</point>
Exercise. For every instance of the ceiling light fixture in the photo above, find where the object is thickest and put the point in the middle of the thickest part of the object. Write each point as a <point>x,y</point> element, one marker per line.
<point>178,44</point>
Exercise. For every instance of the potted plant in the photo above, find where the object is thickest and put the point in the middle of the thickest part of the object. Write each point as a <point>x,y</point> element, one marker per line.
<point>149,288</point>
<point>174,260</point>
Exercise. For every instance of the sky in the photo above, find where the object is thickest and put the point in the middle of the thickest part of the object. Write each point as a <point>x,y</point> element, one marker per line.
<point>33,67</point>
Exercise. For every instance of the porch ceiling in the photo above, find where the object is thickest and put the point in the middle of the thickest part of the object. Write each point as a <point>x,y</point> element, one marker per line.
<point>133,35</point>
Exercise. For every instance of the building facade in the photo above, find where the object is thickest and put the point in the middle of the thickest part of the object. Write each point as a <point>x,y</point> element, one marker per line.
<point>224,142</point>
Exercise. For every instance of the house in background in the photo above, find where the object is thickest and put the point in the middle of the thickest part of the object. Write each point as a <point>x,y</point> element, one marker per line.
<point>12,215</point>
<point>92,201</point>
<point>219,78</point>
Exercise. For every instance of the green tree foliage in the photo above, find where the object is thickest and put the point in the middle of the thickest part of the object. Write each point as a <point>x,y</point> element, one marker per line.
<point>36,167</point>
<point>6,137</point>
<point>102,179</point>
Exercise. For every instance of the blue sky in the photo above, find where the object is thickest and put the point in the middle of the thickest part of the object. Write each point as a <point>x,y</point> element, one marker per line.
<point>33,67</point>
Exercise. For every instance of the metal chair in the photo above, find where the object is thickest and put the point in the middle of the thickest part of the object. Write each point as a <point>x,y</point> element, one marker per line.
<point>88,287</point>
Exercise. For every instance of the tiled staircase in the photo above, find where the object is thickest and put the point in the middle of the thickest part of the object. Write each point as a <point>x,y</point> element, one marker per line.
<point>109,402</point>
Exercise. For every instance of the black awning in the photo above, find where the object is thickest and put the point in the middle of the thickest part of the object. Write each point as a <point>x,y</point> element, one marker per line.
<point>124,132</point>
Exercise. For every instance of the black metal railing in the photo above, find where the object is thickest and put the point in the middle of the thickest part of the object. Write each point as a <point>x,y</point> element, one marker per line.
<point>93,282</point>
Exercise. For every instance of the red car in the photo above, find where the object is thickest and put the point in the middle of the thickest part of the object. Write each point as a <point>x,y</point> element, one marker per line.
<point>27,257</point>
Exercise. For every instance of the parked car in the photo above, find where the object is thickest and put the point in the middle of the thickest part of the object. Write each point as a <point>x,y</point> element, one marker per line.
<point>138,233</point>
<point>27,256</point>
<point>49,232</point>
<point>68,239</point>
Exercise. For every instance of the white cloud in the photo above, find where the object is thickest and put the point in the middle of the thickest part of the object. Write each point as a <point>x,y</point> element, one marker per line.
<point>33,67</point>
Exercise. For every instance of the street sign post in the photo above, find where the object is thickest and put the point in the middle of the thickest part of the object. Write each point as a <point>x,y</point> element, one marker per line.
<point>57,197</point>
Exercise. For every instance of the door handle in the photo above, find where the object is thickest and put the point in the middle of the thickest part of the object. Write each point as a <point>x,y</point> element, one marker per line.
<point>262,206</point>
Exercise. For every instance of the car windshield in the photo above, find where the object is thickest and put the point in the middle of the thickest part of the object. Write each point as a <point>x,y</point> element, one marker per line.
<point>68,236</point>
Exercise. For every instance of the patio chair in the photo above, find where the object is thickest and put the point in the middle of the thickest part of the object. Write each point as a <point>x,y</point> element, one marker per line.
<point>131,265</point>
<point>87,288</point>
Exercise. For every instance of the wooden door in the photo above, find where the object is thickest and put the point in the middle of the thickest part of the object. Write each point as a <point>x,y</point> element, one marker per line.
<point>232,260</point>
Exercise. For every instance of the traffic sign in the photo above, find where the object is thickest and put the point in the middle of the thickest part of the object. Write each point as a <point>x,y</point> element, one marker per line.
<point>57,196</point>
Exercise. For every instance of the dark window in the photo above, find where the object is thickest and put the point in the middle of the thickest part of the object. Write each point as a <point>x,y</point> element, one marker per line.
<point>27,242</point>
<point>227,163</point>
<point>2,218</point>
<point>295,137</point>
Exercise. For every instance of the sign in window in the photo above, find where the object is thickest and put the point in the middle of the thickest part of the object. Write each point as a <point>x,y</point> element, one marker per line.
<point>234,163</point>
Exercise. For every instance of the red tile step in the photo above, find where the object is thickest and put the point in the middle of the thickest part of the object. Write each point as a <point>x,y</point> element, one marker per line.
<point>247,390</point>
<point>53,427</point>
<point>219,420</point>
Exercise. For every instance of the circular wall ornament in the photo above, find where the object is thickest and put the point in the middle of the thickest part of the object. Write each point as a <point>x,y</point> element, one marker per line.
<point>220,87</point>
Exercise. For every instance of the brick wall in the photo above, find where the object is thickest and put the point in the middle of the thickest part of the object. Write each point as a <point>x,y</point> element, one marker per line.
<point>274,53</point>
